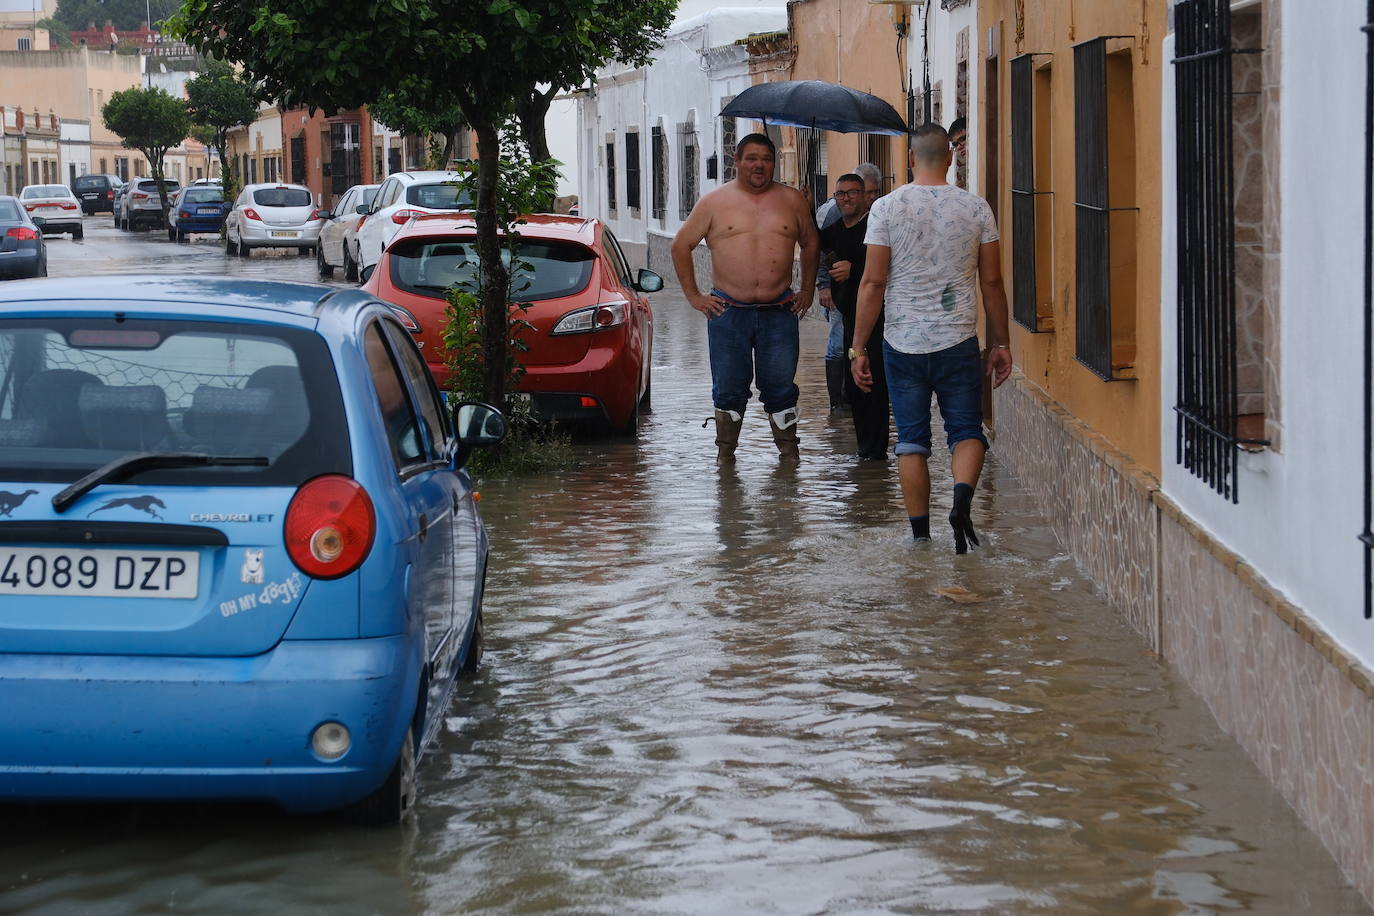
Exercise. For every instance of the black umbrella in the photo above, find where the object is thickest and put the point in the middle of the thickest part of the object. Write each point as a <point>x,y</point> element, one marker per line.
<point>818,105</point>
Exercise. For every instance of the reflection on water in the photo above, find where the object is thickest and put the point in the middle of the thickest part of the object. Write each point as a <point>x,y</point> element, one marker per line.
<point>748,691</point>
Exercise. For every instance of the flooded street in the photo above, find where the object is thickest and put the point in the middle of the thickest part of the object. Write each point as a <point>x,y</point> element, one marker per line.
<point>741,691</point>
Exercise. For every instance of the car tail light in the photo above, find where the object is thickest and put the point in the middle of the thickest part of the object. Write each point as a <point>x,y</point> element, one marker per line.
<point>250,213</point>
<point>30,207</point>
<point>109,195</point>
<point>139,195</point>
<point>22,233</point>
<point>408,320</point>
<point>597,318</point>
<point>329,526</point>
<point>182,214</point>
<point>318,214</point>
<point>401,217</point>
<point>69,206</point>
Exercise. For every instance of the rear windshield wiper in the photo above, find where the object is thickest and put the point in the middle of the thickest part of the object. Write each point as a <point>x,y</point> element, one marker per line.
<point>138,462</point>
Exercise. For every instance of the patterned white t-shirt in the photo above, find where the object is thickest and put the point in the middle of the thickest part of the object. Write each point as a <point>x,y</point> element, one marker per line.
<point>934,232</point>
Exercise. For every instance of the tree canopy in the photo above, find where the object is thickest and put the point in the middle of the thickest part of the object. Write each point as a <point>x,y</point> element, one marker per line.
<point>219,100</point>
<point>412,109</point>
<point>78,15</point>
<point>150,121</point>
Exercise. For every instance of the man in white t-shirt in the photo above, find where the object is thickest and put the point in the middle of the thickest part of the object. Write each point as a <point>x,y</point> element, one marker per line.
<point>931,247</point>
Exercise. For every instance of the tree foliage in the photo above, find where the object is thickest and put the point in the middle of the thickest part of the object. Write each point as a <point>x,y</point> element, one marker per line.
<point>480,55</point>
<point>413,109</point>
<point>79,15</point>
<point>150,121</point>
<point>59,36</point>
<point>219,99</point>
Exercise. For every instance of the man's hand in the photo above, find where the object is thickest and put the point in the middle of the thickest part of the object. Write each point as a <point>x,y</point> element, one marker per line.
<point>709,306</point>
<point>801,302</point>
<point>839,271</point>
<point>862,372</point>
<point>827,301</point>
<point>998,362</point>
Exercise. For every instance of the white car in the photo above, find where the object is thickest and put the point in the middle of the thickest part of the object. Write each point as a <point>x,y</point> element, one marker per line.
<point>272,216</point>
<point>58,206</point>
<point>402,196</point>
<point>338,232</point>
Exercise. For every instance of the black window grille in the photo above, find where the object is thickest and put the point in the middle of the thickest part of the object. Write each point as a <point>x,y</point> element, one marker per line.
<point>297,160</point>
<point>659,163</point>
<point>610,175</point>
<point>1092,209</point>
<point>691,172</point>
<point>1208,403</point>
<point>1367,536</point>
<point>632,170</point>
<point>1024,285</point>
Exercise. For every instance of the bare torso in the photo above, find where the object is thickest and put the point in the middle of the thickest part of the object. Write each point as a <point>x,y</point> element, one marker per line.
<point>753,239</point>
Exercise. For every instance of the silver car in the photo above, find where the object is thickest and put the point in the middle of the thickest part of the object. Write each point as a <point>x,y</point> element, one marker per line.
<point>272,216</point>
<point>141,205</point>
<point>337,234</point>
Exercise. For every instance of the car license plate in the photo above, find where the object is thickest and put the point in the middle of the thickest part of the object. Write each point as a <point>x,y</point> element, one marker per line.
<point>99,573</point>
<point>90,196</point>
<point>207,211</point>
<point>277,234</point>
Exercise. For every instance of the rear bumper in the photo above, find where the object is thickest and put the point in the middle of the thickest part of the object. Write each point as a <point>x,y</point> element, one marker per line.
<point>610,375</point>
<point>17,264</point>
<point>59,224</point>
<point>260,236</point>
<point>199,223</point>
<point>129,727</point>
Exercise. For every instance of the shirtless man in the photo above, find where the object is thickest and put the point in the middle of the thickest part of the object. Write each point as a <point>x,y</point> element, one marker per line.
<point>752,227</point>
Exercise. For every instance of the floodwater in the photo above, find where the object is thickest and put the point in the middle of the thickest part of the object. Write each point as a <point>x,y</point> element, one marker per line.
<point>743,692</point>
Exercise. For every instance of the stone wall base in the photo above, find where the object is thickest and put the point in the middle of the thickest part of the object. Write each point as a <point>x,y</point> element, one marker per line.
<point>1301,707</point>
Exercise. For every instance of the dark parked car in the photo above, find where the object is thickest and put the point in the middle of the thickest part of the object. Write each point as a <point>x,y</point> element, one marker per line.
<point>199,208</point>
<point>97,192</point>
<point>23,252</point>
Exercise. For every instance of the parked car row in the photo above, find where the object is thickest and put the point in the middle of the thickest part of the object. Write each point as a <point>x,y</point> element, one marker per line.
<point>56,205</point>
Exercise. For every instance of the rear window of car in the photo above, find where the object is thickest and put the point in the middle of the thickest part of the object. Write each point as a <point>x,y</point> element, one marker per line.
<point>203,196</point>
<point>76,394</point>
<point>438,196</point>
<point>9,210</point>
<point>46,190</point>
<point>429,267</point>
<point>282,197</point>
<point>151,186</point>
<point>86,182</point>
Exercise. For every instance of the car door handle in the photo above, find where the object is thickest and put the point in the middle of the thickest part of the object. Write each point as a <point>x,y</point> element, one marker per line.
<point>424,527</point>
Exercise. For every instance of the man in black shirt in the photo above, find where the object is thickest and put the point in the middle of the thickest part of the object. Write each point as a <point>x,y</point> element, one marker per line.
<point>843,243</point>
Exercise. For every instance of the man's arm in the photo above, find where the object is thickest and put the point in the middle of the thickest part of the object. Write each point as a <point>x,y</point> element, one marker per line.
<point>995,308</point>
<point>810,242</point>
<point>871,290</point>
<point>684,243</point>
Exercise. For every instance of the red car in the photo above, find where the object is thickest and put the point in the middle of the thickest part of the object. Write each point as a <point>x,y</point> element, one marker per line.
<point>592,338</point>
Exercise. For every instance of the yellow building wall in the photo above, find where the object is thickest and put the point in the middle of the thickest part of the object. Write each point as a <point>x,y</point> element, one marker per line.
<point>1126,413</point>
<point>853,43</point>
<point>72,84</point>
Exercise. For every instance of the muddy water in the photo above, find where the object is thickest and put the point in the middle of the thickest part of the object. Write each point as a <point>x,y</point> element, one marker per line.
<point>748,692</point>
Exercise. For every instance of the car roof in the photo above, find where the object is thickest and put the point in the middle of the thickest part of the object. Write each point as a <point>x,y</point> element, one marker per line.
<point>298,299</point>
<point>538,225</point>
<point>275,184</point>
<point>430,175</point>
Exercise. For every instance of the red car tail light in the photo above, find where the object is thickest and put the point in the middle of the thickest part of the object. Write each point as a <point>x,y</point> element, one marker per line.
<point>182,214</point>
<point>329,526</point>
<point>250,213</point>
<point>597,318</point>
<point>139,195</point>
<point>408,319</point>
<point>22,233</point>
<point>401,217</point>
<point>317,214</point>
<point>109,195</point>
<point>69,206</point>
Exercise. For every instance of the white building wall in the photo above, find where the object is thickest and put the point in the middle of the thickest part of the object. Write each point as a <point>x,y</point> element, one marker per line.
<point>698,67</point>
<point>938,29</point>
<point>74,151</point>
<point>1300,509</point>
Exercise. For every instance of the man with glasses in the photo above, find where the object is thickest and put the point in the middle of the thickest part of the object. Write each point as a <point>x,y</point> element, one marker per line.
<point>843,242</point>
<point>958,141</point>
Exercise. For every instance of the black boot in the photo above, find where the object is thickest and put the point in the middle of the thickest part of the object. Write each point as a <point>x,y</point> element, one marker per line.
<point>835,371</point>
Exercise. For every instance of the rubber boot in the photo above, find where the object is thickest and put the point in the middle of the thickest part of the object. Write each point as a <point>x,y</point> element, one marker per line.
<point>784,426</point>
<point>835,370</point>
<point>728,424</point>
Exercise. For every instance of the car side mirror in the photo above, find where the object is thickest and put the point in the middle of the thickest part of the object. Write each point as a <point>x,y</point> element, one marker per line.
<point>361,209</point>
<point>39,221</point>
<point>323,214</point>
<point>648,282</point>
<point>479,426</point>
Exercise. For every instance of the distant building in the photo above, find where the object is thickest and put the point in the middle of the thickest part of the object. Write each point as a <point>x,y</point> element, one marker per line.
<point>31,152</point>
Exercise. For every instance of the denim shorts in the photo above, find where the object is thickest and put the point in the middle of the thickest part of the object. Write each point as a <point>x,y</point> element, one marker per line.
<point>954,375</point>
<point>758,345</point>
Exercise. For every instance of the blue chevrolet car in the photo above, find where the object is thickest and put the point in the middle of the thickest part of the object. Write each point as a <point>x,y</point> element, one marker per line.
<point>239,555</point>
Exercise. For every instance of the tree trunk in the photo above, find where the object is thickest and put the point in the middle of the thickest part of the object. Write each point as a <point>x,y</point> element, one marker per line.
<point>448,148</point>
<point>155,166</point>
<point>533,109</point>
<point>495,276</point>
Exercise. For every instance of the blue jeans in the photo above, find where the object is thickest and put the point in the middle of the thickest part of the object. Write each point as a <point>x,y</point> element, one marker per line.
<point>834,344</point>
<point>754,345</point>
<point>954,375</point>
